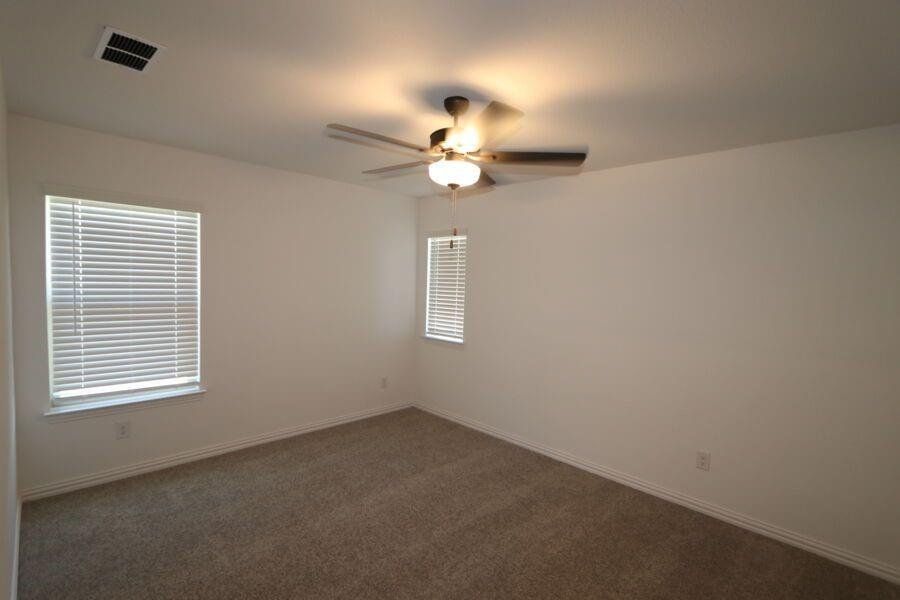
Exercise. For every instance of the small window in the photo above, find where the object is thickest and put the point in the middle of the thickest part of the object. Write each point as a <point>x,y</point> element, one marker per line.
<point>446,292</point>
<point>123,286</point>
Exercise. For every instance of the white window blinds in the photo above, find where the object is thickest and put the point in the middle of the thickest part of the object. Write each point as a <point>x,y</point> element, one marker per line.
<point>446,294</point>
<point>124,298</point>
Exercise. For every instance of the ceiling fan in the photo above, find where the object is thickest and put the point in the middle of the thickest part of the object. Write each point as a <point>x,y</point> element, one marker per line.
<point>455,155</point>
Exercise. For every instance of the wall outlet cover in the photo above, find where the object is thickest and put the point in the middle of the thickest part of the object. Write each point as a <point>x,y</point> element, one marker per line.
<point>123,430</point>
<point>703,460</point>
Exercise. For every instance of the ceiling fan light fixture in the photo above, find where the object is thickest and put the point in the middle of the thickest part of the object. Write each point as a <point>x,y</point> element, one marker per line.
<point>454,171</point>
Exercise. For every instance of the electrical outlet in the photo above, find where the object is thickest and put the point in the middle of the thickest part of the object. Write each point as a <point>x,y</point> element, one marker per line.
<point>384,383</point>
<point>123,430</point>
<point>703,459</point>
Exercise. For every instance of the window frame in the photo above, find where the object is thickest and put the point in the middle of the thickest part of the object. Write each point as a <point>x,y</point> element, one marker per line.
<point>102,403</point>
<point>462,233</point>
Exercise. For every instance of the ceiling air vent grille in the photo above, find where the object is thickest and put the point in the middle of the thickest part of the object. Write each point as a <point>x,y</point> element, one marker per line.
<point>127,50</point>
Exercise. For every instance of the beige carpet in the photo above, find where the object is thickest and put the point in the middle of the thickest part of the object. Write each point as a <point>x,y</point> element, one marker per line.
<point>404,505</point>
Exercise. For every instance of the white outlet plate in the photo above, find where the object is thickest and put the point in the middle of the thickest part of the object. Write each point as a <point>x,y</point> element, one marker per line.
<point>703,460</point>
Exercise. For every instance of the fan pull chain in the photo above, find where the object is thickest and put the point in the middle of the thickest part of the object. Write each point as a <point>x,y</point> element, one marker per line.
<point>452,214</point>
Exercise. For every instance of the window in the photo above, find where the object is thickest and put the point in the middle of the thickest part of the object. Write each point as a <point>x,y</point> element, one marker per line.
<point>446,292</point>
<point>123,288</point>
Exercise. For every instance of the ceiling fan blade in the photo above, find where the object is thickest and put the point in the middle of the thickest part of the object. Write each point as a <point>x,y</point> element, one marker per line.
<point>396,167</point>
<point>485,180</point>
<point>375,136</point>
<point>496,120</point>
<point>553,158</point>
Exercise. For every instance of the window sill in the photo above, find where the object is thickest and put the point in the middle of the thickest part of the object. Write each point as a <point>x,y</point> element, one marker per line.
<point>117,404</point>
<point>439,338</point>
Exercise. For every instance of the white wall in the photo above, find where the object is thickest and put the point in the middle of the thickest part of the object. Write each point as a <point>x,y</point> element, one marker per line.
<point>742,302</point>
<point>9,495</point>
<point>307,286</point>
<point>745,302</point>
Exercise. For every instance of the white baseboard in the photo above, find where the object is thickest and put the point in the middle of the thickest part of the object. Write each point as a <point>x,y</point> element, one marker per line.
<point>839,555</point>
<point>14,576</point>
<point>156,464</point>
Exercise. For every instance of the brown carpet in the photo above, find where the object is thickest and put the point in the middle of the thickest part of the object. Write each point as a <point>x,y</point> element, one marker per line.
<point>404,505</point>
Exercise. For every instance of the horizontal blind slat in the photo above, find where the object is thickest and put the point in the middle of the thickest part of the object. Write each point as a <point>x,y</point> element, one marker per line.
<point>77,353</point>
<point>91,361</point>
<point>122,343</point>
<point>115,368</point>
<point>166,374</point>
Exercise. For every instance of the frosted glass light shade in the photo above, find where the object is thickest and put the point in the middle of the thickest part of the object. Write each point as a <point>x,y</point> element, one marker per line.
<point>450,172</point>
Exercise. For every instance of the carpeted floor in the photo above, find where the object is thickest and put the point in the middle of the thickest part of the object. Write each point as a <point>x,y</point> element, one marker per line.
<point>404,505</point>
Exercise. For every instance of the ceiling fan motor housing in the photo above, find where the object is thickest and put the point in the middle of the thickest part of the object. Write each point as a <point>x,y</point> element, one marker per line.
<point>456,139</point>
<point>438,138</point>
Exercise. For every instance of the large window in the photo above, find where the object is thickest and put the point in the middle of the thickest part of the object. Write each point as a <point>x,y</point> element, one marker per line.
<point>446,291</point>
<point>123,287</point>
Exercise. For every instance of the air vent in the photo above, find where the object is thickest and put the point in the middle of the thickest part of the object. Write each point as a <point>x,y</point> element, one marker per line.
<point>127,50</point>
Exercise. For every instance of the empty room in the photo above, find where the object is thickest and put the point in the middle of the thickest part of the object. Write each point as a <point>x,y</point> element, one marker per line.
<point>449,300</point>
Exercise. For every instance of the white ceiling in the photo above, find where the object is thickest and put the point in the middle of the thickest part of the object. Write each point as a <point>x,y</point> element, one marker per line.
<point>633,81</point>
